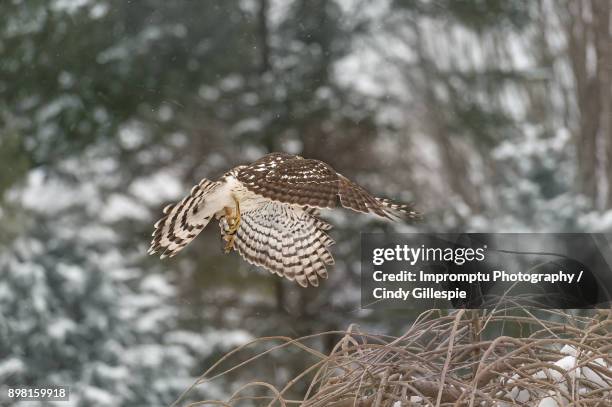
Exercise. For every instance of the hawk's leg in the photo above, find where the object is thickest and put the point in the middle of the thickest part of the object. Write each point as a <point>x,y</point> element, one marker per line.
<point>233,221</point>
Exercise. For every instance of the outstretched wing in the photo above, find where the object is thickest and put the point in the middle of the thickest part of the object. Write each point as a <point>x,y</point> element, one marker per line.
<point>284,239</point>
<point>292,179</point>
<point>182,221</point>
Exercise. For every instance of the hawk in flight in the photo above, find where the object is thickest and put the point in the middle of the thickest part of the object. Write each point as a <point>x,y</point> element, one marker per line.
<point>268,212</point>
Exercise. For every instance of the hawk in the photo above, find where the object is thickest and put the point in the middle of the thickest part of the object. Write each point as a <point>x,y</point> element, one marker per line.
<point>268,212</point>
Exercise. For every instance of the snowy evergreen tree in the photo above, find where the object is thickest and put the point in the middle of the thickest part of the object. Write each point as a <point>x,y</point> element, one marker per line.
<point>484,113</point>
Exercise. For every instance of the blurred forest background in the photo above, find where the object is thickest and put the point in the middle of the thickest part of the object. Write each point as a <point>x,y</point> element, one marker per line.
<point>490,115</point>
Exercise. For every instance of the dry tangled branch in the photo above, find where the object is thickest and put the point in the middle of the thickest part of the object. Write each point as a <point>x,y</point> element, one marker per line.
<point>462,359</point>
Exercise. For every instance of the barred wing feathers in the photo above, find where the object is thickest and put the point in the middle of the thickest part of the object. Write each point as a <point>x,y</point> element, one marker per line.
<point>292,179</point>
<point>286,240</point>
<point>182,221</point>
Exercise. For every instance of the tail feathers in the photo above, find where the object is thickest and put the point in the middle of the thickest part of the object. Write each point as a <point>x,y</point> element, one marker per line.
<point>182,222</point>
<point>398,210</point>
<point>285,241</point>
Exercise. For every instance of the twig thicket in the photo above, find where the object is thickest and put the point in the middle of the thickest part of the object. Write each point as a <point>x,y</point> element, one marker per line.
<point>554,359</point>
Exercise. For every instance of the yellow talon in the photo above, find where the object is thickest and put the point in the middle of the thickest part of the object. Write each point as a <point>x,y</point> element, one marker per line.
<point>235,219</point>
<point>233,222</point>
<point>230,243</point>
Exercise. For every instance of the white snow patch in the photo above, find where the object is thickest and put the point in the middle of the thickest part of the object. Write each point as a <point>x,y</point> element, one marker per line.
<point>228,339</point>
<point>113,372</point>
<point>165,113</point>
<point>6,293</point>
<point>231,82</point>
<point>145,355</point>
<point>132,135</point>
<point>178,139</point>
<point>151,321</point>
<point>597,222</point>
<point>99,10</point>
<point>157,188</point>
<point>94,233</point>
<point>48,195</point>
<point>58,328</point>
<point>251,124</point>
<point>56,106</point>
<point>193,341</point>
<point>292,146</point>
<point>205,343</point>
<point>208,93</point>
<point>98,397</point>
<point>115,53</point>
<point>11,366</point>
<point>158,285</point>
<point>69,6</point>
<point>73,275</point>
<point>120,206</point>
